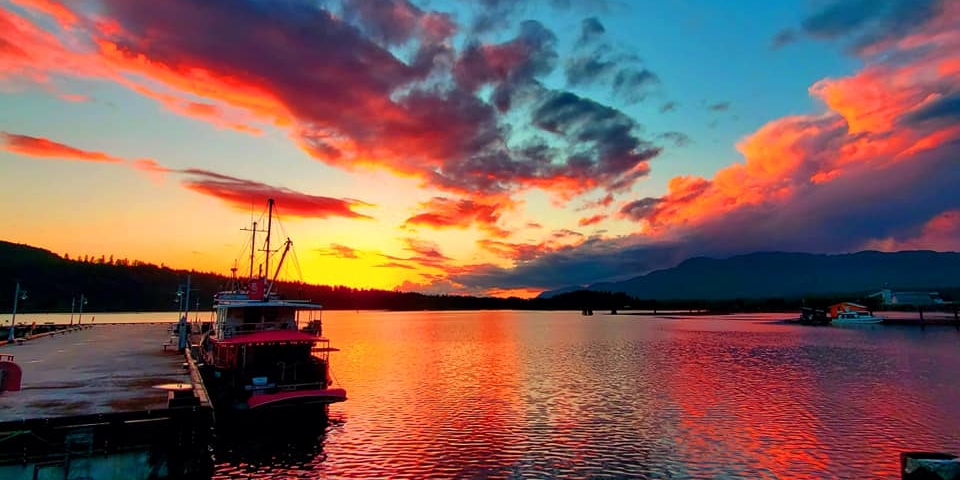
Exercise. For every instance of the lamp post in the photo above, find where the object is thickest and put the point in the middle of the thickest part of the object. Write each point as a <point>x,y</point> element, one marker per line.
<point>179,301</point>
<point>17,295</point>
<point>82,302</point>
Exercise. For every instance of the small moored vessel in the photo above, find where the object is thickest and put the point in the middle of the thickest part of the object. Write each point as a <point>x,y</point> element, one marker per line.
<point>813,316</point>
<point>261,352</point>
<point>856,318</point>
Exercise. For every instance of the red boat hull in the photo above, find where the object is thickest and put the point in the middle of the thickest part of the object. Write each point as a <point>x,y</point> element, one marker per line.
<point>294,397</point>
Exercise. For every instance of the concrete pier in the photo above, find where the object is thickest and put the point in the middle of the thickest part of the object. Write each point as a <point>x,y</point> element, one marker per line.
<point>102,369</point>
<point>89,408</point>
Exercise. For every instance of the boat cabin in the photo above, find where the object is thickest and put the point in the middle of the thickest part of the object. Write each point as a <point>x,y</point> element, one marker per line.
<point>846,307</point>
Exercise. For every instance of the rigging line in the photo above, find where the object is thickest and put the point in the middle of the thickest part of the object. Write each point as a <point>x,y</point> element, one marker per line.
<point>245,245</point>
<point>296,264</point>
<point>293,252</point>
<point>293,249</point>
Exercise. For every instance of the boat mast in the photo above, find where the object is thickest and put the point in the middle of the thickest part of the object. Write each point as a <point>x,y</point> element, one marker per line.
<point>269,224</point>
<point>253,246</point>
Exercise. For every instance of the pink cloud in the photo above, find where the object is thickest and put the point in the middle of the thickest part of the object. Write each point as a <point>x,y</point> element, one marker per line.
<point>43,148</point>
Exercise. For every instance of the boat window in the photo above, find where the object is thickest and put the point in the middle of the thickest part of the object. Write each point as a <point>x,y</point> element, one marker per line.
<point>252,314</point>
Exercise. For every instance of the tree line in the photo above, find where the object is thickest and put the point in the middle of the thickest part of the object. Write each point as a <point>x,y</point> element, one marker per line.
<point>121,285</point>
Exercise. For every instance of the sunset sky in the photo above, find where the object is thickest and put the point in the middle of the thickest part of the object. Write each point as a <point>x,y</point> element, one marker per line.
<point>485,147</point>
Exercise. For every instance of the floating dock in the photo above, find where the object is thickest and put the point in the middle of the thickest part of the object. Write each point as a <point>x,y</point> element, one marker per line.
<point>103,402</point>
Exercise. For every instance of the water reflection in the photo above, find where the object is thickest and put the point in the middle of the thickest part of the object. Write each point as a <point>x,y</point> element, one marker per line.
<point>557,395</point>
<point>270,447</point>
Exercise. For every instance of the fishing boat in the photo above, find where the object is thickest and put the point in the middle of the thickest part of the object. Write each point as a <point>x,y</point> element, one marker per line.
<point>264,351</point>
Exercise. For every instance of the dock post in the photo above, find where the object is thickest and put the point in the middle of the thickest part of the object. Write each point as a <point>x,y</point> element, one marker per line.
<point>184,323</point>
<point>956,317</point>
<point>929,465</point>
<point>922,324</point>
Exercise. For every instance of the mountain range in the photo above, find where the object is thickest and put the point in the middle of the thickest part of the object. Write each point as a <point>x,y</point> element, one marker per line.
<point>789,275</point>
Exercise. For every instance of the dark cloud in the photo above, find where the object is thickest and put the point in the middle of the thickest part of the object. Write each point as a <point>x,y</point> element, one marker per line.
<point>719,106</point>
<point>396,22</point>
<point>610,151</point>
<point>590,29</point>
<point>668,107</point>
<point>640,209</point>
<point>586,69</point>
<point>595,62</point>
<point>631,85</point>
<point>530,55</point>
<point>370,89</point>
<point>677,138</point>
<point>783,38</point>
<point>586,263</point>
<point>490,15</point>
<point>870,22</point>
<point>943,109</point>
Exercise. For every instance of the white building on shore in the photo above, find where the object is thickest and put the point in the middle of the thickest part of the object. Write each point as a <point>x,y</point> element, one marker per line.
<point>916,299</point>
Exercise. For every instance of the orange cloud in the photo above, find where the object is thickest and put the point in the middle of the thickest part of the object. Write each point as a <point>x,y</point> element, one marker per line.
<point>941,233</point>
<point>873,120</point>
<point>513,292</point>
<point>30,53</point>
<point>592,220</point>
<point>55,9</point>
<point>240,194</point>
<point>520,252</point>
<point>75,97</point>
<point>339,251</point>
<point>441,212</point>
<point>202,111</point>
<point>365,110</point>
<point>43,148</point>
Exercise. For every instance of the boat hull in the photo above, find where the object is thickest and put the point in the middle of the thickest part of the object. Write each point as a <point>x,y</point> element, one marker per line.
<point>857,321</point>
<point>318,396</point>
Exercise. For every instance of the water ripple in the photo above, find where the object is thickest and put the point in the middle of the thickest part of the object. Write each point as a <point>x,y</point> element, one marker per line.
<point>519,395</point>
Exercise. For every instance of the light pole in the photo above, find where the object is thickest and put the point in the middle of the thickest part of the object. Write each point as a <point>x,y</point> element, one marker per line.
<point>83,301</point>
<point>73,304</point>
<point>179,301</point>
<point>17,295</point>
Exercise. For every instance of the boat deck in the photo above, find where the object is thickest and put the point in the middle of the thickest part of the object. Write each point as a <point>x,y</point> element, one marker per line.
<point>103,369</point>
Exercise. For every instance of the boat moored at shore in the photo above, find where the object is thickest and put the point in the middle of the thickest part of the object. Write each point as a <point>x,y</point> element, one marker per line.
<point>856,318</point>
<point>265,351</point>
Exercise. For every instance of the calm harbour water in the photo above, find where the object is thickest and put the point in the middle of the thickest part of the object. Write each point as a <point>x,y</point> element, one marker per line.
<point>502,394</point>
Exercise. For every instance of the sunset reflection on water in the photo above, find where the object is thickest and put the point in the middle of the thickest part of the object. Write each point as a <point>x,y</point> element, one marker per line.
<point>557,395</point>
